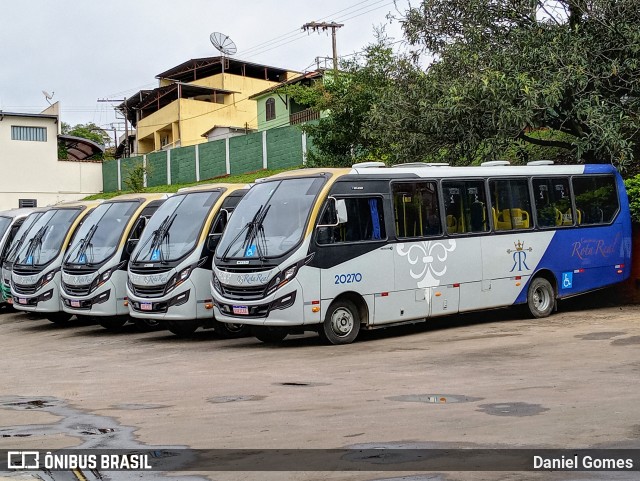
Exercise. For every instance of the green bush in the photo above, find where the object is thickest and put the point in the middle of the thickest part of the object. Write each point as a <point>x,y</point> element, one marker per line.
<point>633,191</point>
<point>134,179</point>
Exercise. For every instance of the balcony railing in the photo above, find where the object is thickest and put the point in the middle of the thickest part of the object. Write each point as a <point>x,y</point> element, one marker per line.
<point>304,116</point>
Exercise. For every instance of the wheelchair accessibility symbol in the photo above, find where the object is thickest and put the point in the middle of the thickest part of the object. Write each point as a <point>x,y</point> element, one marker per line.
<point>567,280</point>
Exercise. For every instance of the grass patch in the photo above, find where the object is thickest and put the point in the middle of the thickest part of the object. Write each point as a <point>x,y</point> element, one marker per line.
<point>233,179</point>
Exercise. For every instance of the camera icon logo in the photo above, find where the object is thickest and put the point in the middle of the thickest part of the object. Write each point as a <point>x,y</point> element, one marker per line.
<point>23,460</point>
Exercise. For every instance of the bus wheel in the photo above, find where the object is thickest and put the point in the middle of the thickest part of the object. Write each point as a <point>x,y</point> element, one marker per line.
<point>59,317</point>
<point>230,331</point>
<point>183,328</point>
<point>540,297</point>
<point>341,324</point>
<point>113,323</point>
<point>269,335</point>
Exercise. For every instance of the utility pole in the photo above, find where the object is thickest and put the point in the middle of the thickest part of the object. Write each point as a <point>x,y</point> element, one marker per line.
<point>317,26</point>
<point>126,123</point>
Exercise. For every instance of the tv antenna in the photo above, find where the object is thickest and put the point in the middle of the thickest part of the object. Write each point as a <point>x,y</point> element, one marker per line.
<point>48,96</point>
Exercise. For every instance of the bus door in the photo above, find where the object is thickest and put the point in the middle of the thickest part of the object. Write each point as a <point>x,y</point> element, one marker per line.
<point>354,253</point>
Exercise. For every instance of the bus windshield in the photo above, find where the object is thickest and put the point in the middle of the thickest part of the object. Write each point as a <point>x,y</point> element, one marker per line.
<point>98,238</point>
<point>45,238</point>
<point>21,236</point>
<point>175,227</point>
<point>269,221</point>
<point>5,222</point>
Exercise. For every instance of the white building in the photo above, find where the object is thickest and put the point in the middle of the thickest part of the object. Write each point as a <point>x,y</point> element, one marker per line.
<point>30,170</point>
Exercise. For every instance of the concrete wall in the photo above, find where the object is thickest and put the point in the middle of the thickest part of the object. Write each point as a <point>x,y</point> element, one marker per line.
<point>31,169</point>
<point>272,149</point>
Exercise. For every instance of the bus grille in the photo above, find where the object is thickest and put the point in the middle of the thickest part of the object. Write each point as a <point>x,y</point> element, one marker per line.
<point>148,291</point>
<point>24,289</point>
<point>76,290</point>
<point>247,293</point>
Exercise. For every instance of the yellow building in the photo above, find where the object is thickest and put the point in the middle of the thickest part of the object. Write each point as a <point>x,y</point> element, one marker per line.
<point>197,96</point>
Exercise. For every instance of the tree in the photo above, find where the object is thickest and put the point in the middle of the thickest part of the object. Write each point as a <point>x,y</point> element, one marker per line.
<point>563,74</point>
<point>343,137</point>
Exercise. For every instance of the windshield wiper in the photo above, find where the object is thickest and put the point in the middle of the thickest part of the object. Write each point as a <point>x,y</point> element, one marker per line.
<point>16,247</point>
<point>161,236</point>
<point>35,242</point>
<point>156,238</point>
<point>249,228</point>
<point>259,235</point>
<point>83,245</point>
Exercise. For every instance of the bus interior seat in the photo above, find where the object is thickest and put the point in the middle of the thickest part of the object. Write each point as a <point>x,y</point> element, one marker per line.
<point>452,224</point>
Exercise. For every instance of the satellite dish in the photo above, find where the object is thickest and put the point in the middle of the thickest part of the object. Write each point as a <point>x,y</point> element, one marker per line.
<point>223,43</point>
<point>48,96</point>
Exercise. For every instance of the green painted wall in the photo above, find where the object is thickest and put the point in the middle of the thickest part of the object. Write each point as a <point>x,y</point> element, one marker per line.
<point>212,159</point>
<point>183,165</point>
<point>245,153</point>
<point>284,147</point>
<point>109,175</point>
<point>157,169</point>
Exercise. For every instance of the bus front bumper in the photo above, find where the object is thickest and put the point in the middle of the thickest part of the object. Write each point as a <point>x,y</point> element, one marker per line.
<point>46,300</point>
<point>179,304</point>
<point>102,302</point>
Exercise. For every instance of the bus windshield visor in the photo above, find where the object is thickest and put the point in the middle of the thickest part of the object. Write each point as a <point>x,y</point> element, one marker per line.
<point>174,229</point>
<point>270,220</point>
<point>45,238</point>
<point>98,237</point>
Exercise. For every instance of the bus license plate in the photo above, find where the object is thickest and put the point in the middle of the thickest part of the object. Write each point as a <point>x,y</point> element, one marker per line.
<point>22,300</point>
<point>241,310</point>
<point>145,306</point>
<point>75,303</point>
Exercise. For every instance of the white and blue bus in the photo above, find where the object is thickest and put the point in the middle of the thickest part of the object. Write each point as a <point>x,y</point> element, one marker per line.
<point>170,269</point>
<point>338,250</point>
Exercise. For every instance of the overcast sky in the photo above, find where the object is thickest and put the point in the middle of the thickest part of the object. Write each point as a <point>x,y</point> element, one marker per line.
<point>86,50</point>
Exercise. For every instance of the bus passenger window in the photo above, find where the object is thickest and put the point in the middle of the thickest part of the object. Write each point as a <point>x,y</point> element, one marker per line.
<point>365,222</point>
<point>416,210</point>
<point>553,202</point>
<point>511,205</point>
<point>465,205</point>
<point>596,199</point>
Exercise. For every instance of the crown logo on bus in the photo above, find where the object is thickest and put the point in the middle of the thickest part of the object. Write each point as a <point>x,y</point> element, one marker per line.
<point>519,245</point>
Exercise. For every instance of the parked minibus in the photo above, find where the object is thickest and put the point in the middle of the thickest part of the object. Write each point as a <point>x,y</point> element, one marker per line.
<point>35,277</point>
<point>170,268</point>
<point>339,250</point>
<point>94,270</point>
<point>10,223</point>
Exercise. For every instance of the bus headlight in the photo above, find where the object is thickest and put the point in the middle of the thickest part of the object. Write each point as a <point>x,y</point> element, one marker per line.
<point>102,278</point>
<point>179,278</point>
<point>216,283</point>
<point>48,277</point>
<point>282,279</point>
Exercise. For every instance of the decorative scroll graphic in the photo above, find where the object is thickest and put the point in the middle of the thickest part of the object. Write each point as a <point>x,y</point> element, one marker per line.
<point>429,260</point>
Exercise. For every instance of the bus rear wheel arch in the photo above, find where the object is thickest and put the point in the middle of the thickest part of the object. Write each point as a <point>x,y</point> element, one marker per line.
<point>342,322</point>
<point>541,297</point>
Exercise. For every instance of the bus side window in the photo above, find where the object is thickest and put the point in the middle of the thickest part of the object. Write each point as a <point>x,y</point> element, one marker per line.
<point>553,202</point>
<point>365,222</point>
<point>416,209</point>
<point>511,204</point>
<point>596,199</point>
<point>465,205</point>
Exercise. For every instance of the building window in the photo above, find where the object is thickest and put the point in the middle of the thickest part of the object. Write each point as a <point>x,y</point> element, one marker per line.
<point>271,109</point>
<point>27,203</point>
<point>37,134</point>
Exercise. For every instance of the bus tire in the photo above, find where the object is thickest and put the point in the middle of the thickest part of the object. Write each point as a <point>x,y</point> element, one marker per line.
<point>59,317</point>
<point>183,328</point>
<point>541,298</point>
<point>113,323</point>
<point>268,334</point>
<point>341,324</point>
<point>230,331</point>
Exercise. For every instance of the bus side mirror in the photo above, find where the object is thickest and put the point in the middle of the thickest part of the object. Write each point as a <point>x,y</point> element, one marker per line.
<point>130,246</point>
<point>335,213</point>
<point>212,241</point>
